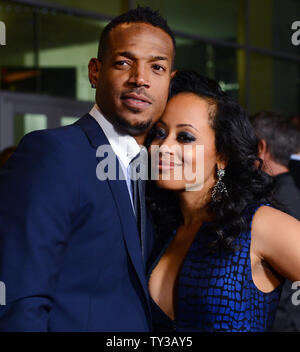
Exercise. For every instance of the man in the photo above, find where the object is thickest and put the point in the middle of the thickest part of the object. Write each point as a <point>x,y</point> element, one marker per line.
<point>71,254</point>
<point>277,141</point>
<point>294,164</point>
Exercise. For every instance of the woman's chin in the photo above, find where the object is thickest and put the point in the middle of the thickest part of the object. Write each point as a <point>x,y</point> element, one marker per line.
<point>170,185</point>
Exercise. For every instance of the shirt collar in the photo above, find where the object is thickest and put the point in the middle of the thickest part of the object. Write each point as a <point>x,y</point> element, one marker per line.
<point>124,145</point>
<point>295,157</point>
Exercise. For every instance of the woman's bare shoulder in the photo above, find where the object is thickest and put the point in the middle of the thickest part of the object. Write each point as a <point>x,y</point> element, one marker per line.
<point>275,236</point>
<point>268,219</point>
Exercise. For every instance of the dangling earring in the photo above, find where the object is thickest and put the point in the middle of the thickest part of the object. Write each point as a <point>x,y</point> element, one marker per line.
<point>93,86</point>
<point>219,187</point>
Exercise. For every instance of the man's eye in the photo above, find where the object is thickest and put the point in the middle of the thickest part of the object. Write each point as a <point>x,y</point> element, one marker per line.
<point>121,63</point>
<point>186,137</point>
<point>158,68</point>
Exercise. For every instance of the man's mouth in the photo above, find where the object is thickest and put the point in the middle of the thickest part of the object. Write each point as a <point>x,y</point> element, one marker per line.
<point>135,101</point>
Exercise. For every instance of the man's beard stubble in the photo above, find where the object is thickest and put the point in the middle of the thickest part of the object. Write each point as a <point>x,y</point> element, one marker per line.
<point>126,127</point>
<point>139,128</point>
<point>123,125</point>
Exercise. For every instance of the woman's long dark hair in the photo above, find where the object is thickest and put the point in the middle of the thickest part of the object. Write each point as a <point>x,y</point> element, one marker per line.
<point>235,139</point>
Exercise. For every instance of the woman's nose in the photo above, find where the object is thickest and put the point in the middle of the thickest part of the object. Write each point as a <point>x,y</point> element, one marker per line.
<point>167,146</point>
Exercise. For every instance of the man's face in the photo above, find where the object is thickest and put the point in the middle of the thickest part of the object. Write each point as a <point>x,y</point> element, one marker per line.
<point>133,77</point>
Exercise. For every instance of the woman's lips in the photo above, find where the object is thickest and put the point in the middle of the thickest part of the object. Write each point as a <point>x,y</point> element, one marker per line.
<point>164,165</point>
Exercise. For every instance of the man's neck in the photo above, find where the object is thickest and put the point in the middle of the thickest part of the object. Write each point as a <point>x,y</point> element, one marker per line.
<point>140,139</point>
<point>273,168</point>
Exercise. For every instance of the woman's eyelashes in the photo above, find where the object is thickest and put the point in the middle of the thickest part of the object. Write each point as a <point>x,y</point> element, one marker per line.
<point>185,137</point>
<point>159,133</point>
<point>182,137</point>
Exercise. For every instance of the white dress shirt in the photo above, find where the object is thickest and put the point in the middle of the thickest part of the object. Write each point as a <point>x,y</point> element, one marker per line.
<point>295,157</point>
<point>124,145</point>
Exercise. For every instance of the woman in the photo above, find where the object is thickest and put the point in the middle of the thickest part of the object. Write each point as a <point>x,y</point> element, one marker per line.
<point>223,249</point>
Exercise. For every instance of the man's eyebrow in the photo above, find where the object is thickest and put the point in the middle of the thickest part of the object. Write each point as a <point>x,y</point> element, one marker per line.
<point>131,56</point>
<point>159,58</point>
<point>186,124</point>
<point>125,54</point>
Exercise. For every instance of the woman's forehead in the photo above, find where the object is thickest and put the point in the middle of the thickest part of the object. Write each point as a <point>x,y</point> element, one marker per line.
<point>186,108</point>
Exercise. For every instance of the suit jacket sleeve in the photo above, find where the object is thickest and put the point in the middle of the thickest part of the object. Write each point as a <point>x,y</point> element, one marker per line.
<point>37,198</point>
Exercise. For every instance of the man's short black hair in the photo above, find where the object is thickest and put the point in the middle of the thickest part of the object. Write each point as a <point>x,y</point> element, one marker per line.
<point>295,122</point>
<point>140,14</point>
<point>279,134</point>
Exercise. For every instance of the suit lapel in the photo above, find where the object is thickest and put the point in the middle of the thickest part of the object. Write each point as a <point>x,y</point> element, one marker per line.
<point>121,197</point>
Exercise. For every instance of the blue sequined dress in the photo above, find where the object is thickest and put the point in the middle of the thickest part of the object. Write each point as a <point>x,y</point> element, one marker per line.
<point>216,291</point>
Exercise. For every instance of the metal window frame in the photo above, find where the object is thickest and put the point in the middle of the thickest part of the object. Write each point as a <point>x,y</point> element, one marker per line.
<point>54,108</point>
<point>208,40</point>
<point>102,17</point>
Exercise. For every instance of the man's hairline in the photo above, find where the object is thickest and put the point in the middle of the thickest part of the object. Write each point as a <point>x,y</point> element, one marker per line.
<point>147,23</point>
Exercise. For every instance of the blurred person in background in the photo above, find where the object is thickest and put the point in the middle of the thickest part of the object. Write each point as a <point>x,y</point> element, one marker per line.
<point>278,140</point>
<point>294,164</point>
<point>6,154</point>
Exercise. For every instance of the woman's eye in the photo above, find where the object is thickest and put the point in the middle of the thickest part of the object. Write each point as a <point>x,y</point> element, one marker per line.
<point>186,137</point>
<point>159,133</point>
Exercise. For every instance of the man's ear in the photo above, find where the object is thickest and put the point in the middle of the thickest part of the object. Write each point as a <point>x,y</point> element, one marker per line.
<point>262,148</point>
<point>173,73</point>
<point>94,71</point>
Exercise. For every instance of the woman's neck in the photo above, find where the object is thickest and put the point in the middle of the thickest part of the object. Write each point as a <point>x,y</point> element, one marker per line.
<point>193,205</point>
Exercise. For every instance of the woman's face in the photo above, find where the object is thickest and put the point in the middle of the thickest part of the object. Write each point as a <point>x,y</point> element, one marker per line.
<point>183,150</point>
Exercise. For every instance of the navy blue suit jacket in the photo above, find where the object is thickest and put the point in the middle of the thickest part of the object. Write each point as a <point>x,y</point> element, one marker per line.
<point>70,254</point>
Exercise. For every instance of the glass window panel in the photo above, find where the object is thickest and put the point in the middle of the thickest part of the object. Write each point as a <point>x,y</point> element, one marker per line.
<point>211,18</point>
<point>33,122</point>
<point>67,120</point>
<point>18,53</point>
<point>25,123</point>
<point>112,7</point>
<point>67,54</point>
<point>47,52</point>
<point>274,85</point>
<point>271,22</point>
<point>216,62</point>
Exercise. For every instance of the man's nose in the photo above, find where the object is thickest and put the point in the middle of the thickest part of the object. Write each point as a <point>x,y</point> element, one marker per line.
<point>139,76</point>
